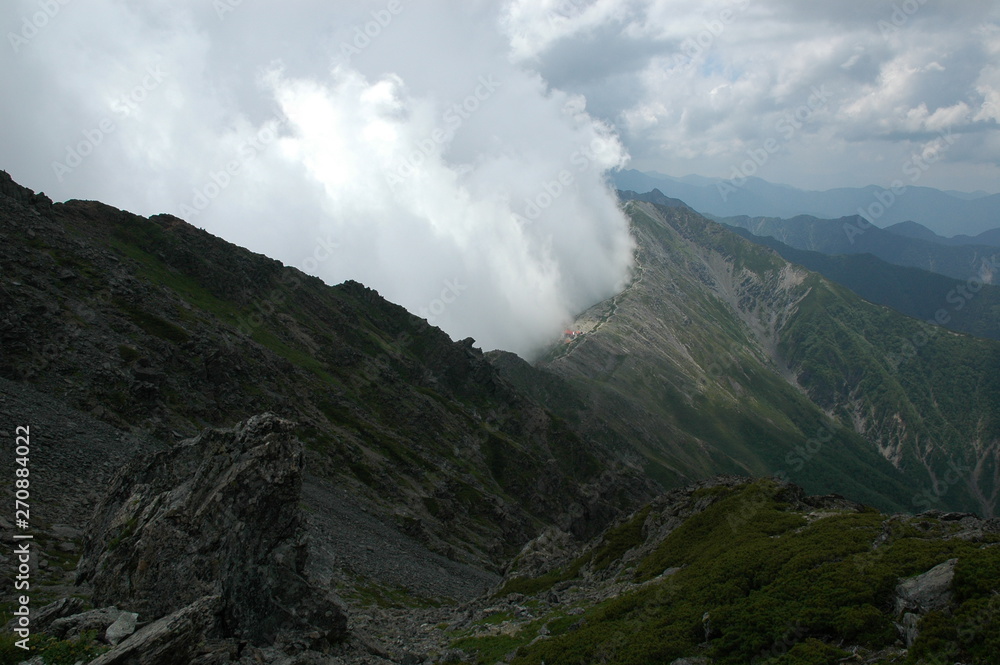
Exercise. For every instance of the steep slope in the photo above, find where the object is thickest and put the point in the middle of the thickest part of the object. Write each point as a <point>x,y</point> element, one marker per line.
<point>723,356</point>
<point>969,307</point>
<point>681,367</point>
<point>156,326</point>
<point>854,235</point>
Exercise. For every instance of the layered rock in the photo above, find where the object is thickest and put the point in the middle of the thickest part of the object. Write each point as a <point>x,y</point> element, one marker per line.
<point>216,515</point>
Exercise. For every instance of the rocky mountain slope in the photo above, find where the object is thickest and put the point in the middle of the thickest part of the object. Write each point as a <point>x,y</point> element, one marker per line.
<point>968,306</point>
<point>240,463</point>
<point>723,356</point>
<point>152,325</point>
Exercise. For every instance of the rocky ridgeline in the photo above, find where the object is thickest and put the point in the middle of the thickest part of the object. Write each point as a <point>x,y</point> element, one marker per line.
<point>159,329</point>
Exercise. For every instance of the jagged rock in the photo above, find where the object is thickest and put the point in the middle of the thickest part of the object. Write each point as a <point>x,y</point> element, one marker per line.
<point>928,592</point>
<point>216,515</point>
<point>173,639</point>
<point>10,188</point>
<point>552,547</point>
<point>122,628</point>
<point>72,626</point>
<point>64,607</point>
<point>453,656</point>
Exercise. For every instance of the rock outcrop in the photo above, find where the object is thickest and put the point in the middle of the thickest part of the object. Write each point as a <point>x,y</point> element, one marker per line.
<point>918,595</point>
<point>216,515</point>
<point>176,638</point>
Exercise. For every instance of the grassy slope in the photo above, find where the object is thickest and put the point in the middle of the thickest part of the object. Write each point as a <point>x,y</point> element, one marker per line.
<point>755,575</point>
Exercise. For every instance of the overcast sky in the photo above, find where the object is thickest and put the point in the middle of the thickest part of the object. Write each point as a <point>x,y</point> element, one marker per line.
<point>453,154</point>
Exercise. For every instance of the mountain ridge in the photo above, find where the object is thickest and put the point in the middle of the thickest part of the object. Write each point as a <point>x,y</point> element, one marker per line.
<point>777,335</point>
<point>854,235</point>
<point>917,293</point>
<point>939,211</point>
<point>431,469</point>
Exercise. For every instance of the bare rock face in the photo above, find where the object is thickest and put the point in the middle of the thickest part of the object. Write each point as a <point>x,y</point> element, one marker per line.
<point>216,515</point>
<point>928,592</point>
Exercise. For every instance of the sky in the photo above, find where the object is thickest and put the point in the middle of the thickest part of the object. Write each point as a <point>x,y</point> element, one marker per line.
<point>454,155</point>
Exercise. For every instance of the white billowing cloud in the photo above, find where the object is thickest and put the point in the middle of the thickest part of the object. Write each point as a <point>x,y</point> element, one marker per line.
<point>394,143</point>
<point>502,237</point>
<point>453,154</point>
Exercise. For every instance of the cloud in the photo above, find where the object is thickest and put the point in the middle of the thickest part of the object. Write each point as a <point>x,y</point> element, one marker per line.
<point>393,143</point>
<point>453,155</point>
<point>697,85</point>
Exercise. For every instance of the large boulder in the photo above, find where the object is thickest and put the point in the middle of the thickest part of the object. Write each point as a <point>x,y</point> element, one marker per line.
<point>95,620</point>
<point>918,595</point>
<point>216,515</point>
<point>927,592</point>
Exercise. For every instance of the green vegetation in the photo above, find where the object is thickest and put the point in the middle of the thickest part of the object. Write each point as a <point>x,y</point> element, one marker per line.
<point>760,582</point>
<point>52,651</point>
<point>154,325</point>
<point>620,540</point>
<point>535,585</point>
<point>911,291</point>
<point>713,343</point>
<point>367,594</point>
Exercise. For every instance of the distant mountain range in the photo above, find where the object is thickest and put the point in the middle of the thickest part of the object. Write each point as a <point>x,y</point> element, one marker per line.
<point>943,213</point>
<point>921,232</point>
<point>854,235</point>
